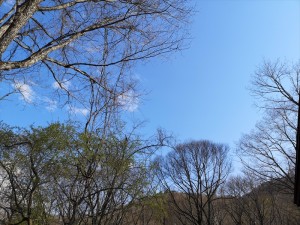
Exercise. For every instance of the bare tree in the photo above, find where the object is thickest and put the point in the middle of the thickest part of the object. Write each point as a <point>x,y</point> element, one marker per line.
<point>249,200</point>
<point>269,150</point>
<point>192,174</point>
<point>246,203</point>
<point>233,202</point>
<point>83,49</point>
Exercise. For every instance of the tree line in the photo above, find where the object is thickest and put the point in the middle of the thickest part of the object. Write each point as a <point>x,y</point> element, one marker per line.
<point>58,175</point>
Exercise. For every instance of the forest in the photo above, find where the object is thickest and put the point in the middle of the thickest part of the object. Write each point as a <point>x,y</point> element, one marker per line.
<point>79,54</point>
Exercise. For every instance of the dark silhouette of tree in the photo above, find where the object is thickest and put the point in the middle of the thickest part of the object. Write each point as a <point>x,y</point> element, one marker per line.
<point>271,146</point>
<point>191,174</point>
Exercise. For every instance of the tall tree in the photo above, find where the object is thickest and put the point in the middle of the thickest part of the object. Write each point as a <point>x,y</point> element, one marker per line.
<point>191,174</point>
<point>83,49</point>
<point>270,149</point>
<point>28,161</point>
<point>60,175</point>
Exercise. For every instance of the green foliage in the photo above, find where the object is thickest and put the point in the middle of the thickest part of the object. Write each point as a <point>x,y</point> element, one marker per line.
<point>61,173</point>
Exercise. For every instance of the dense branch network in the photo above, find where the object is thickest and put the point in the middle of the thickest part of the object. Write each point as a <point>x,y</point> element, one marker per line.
<point>86,47</point>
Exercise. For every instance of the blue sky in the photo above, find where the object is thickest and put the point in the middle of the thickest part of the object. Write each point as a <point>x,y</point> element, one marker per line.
<point>200,93</point>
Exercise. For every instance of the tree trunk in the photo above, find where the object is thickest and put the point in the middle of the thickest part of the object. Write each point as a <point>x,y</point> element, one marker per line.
<point>297,167</point>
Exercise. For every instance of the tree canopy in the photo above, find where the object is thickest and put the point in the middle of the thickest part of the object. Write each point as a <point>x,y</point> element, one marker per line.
<point>81,50</point>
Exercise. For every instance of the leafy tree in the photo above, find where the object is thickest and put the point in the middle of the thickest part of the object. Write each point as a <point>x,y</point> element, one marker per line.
<point>28,160</point>
<point>58,174</point>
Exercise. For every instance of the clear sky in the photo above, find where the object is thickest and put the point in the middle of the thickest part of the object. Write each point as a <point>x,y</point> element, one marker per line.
<point>200,93</point>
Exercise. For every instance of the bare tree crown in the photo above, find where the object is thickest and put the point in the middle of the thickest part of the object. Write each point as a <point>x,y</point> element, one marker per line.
<point>83,49</point>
